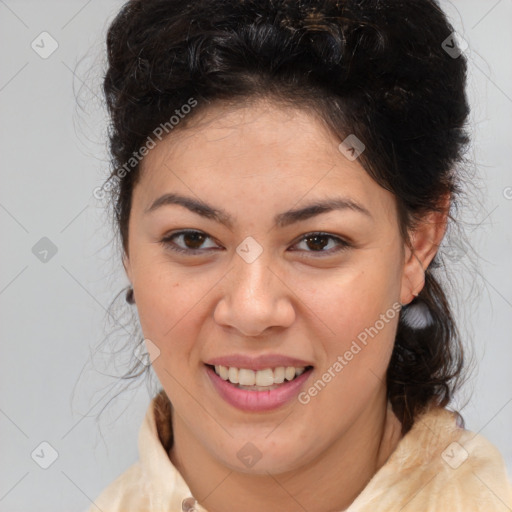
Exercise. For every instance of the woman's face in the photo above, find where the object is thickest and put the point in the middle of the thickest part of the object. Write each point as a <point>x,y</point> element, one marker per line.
<point>255,289</point>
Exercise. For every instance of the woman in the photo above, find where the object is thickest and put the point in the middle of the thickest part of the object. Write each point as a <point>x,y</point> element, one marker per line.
<point>283,178</point>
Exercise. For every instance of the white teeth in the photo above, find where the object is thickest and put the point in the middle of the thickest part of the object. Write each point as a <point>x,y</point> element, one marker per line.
<point>289,373</point>
<point>246,377</point>
<point>264,377</point>
<point>233,375</point>
<point>279,375</point>
<point>223,372</point>
<point>259,378</point>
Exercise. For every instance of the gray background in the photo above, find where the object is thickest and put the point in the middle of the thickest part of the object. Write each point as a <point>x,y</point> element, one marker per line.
<point>53,313</point>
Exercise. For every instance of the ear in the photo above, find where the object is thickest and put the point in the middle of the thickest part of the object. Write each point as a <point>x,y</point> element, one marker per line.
<point>127,267</point>
<point>424,243</point>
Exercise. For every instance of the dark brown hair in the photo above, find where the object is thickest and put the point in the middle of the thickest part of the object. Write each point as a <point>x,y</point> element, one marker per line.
<point>377,69</point>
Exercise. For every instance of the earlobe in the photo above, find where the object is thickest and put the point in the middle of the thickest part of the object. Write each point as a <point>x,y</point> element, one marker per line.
<point>127,269</point>
<point>424,244</point>
<point>130,299</point>
<point>413,279</point>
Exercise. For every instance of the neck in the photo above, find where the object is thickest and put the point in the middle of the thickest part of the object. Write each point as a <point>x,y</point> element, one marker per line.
<point>330,482</point>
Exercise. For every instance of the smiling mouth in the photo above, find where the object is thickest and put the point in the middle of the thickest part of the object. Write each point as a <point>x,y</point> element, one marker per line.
<point>259,380</point>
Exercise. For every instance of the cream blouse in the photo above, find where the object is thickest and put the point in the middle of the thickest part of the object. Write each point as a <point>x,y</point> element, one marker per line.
<point>436,467</point>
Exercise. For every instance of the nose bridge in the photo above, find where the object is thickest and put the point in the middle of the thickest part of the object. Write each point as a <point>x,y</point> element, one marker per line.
<point>252,279</point>
<point>253,297</point>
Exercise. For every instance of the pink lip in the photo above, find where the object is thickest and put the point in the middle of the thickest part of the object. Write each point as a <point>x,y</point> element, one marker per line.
<point>257,401</point>
<point>257,363</point>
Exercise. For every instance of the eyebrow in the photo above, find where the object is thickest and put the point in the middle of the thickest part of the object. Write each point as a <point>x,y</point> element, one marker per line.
<point>282,219</point>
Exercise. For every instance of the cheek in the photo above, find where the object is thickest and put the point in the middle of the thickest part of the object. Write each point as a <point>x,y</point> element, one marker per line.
<point>165,305</point>
<point>360,310</point>
<point>362,315</point>
<point>169,311</point>
<point>353,300</point>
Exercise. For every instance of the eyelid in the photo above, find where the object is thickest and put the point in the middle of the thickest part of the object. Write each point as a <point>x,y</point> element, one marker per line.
<point>167,241</point>
<point>343,244</point>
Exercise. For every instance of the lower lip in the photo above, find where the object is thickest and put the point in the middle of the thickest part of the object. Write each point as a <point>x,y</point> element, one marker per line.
<point>257,400</point>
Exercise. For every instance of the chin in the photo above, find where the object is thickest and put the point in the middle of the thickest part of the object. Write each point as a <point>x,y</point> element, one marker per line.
<point>267,464</point>
<point>261,457</point>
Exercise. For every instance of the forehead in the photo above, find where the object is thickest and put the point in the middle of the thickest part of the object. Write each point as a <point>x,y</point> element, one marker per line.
<point>280,154</point>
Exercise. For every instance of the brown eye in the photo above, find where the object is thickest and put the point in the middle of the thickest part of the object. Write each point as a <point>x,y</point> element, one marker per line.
<point>318,242</point>
<point>191,242</point>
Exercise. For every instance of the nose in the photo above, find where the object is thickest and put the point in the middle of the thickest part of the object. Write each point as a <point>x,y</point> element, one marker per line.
<point>254,298</point>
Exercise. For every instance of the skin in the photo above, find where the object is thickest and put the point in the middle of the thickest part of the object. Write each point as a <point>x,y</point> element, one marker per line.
<point>255,162</point>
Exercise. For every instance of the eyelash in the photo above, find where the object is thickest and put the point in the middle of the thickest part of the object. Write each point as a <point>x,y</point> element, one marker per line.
<point>167,242</point>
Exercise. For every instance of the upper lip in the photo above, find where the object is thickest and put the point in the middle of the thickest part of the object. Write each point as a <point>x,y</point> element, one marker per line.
<point>257,363</point>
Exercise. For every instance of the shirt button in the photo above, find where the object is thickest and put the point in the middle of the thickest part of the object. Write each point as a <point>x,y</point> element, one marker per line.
<point>189,505</point>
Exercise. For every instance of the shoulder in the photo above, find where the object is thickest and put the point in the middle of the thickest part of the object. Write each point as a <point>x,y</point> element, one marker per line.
<point>438,465</point>
<point>153,482</point>
<point>126,493</point>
